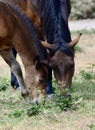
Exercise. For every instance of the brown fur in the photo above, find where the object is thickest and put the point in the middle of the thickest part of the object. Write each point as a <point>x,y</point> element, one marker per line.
<point>13,34</point>
<point>32,12</point>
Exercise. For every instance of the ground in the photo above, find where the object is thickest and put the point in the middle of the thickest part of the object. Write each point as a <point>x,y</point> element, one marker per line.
<point>81,119</point>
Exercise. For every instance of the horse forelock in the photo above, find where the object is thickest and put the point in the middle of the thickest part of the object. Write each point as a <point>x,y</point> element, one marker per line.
<point>60,47</point>
<point>29,26</point>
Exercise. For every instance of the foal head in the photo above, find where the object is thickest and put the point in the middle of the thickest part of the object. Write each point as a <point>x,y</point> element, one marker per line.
<point>36,79</point>
<point>27,44</point>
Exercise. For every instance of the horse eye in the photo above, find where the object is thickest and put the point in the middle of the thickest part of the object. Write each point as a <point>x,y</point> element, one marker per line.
<point>41,80</point>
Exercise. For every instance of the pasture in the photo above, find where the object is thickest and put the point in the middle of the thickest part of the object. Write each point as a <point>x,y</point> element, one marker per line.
<point>15,113</point>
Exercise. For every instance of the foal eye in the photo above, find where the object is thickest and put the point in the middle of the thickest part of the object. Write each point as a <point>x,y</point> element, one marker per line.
<point>41,80</point>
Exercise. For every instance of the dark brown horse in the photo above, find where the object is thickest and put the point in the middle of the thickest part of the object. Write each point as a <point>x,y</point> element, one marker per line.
<point>50,18</point>
<point>61,49</point>
<point>16,31</point>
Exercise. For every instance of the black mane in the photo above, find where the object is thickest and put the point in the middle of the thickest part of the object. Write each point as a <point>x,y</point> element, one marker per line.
<point>55,26</point>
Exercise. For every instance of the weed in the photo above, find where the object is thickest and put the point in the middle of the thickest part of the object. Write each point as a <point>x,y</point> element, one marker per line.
<point>34,109</point>
<point>4,83</point>
<point>88,75</point>
<point>16,113</point>
<point>77,49</point>
<point>92,126</point>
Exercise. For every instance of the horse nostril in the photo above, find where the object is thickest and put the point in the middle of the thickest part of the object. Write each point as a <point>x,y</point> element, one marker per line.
<point>41,80</point>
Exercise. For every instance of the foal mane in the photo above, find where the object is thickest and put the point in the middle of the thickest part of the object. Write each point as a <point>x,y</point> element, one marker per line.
<point>55,26</point>
<point>29,27</point>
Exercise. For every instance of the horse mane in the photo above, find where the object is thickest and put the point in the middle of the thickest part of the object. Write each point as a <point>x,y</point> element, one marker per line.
<point>30,27</point>
<point>55,26</point>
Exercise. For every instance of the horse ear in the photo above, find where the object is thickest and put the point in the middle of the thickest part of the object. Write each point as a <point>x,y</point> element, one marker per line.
<point>37,62</point>
<point>45,62</point>
<point>75,41</point>
<point>47,45</point>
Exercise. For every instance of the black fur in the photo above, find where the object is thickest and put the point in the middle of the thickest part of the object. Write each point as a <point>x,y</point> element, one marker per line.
<point>55,26</point>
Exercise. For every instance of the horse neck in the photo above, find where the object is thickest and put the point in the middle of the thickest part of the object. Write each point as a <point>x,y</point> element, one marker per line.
<point>55,25</point>
<point>24,40</point>
<point>25,47</point>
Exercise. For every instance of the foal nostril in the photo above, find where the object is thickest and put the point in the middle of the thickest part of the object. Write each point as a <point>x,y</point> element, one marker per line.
<point>41,80</point>
<point>37,102</point>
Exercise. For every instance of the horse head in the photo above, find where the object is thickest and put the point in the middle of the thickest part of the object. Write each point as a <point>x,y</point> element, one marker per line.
<point>62,63</point>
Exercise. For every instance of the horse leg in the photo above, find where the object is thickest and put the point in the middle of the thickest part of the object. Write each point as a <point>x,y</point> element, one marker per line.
<point>14,82</point>
<point>16,69</point>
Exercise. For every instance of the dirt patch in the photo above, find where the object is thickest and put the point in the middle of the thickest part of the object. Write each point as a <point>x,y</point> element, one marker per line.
<point>85,58</point>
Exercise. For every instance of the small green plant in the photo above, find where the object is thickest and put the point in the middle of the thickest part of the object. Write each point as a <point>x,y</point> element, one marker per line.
<point>90,74</point>
<point>34,109</point>
<point>92,126</point>
<point>58,102</point>
<point>85,75</point>
<point>4,83</point>
<point>16,113</point>
<point>77,48</point>
<point>59,99</point>
<point>63,102</point>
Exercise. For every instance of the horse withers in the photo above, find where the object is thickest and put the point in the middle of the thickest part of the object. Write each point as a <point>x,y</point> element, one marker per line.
<point>16,31</point>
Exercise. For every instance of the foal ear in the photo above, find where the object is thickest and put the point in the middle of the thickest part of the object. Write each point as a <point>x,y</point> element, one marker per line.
<point>44,62</point>
<point>47,45</point>
<point>37,62</point>
<point>75,41</point>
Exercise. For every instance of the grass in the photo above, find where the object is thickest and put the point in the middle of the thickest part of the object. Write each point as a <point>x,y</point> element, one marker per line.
<point>77,48</point>
<point>83,31</point>
<point>16,114</point>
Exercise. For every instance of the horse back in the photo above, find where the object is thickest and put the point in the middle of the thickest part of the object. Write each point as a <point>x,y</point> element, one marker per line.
<point>7,24</point>
<point>30,8</point>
